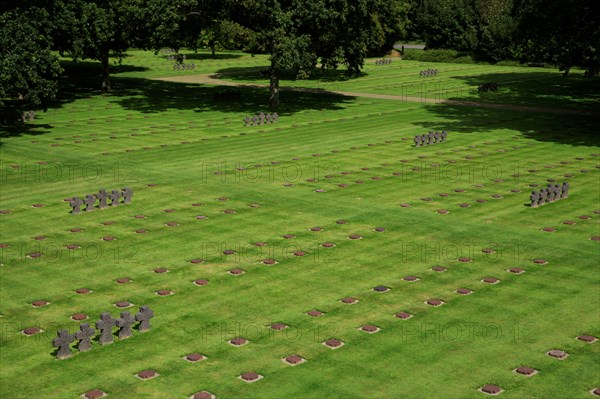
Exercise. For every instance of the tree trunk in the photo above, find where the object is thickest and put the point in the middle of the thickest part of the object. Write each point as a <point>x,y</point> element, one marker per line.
<point>105,74</point>
<point>274,89</point>
<point>212,49</point>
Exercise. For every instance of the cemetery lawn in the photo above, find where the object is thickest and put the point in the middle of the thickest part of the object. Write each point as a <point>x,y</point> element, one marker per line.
<point>175,145</point>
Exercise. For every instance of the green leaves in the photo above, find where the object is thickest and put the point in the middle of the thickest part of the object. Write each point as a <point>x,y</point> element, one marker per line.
<point>29,71</point>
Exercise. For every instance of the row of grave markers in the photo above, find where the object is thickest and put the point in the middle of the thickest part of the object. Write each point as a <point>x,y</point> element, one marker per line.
<point>90,200</point>
<point>489,86</point>
<point>385,61</point>
<point>261,119</point>
<point>227,94</point>
<point>428,72</point>
<point>549,194</point>
<point>430,138</point>
<point>105,325</point>
<point>181,67</point>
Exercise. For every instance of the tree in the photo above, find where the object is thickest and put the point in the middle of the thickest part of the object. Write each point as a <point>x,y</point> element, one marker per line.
<point>29,72</point>
<point>450,24</point>
<point>94,29</point>
<point>298,34</point>
<point>563,32</point>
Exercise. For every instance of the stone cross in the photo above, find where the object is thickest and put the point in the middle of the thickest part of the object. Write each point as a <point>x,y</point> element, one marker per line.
<point>125,323</point>
<point>417,141</point>
<point>102,196</point>
<point>127,194</point>
<point>444,135</point>
<point>247,120</point>
<point>85,335</point>
<point>557,192</point>
<point>534,198</point>
<point>62,342</point>
<point>431,137</point>
<point>542,200</point>
<point>90,201</point>
<point>114,197</point>
<point>144,316</point>
<point>105,325</point>
<point>261,118</point>
<point>254,120</point>
<point>76,203</point>
<point>275,117</point>
<point>424,139</point>
<point>550,193</point>
<point>565,190</point>
<point>269,117</point>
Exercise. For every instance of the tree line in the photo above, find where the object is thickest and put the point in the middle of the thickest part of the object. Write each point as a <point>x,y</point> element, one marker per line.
<point>297,34</point>
<point>565,33</point>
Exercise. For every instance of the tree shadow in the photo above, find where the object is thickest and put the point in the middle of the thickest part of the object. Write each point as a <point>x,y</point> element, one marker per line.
<point>538,89</point>
<point>254,74</point>
<point>210,57</point>
<point>154,96</point>
<point>575,130</point>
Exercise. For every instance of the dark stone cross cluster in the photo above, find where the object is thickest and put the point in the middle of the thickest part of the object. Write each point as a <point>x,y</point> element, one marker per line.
<point>167,50</point>
<point>489,86</point>
<point>180,58</point>
<point>549,194</point>
<point>105,326</point>
<point>90,200</point>
<point>28,116</point>
<point>227,94</point>
<point>430,138</point>
<point>261,119</point>
<point>385,61</point>
<point>182,67</point>
<point>428,72</point>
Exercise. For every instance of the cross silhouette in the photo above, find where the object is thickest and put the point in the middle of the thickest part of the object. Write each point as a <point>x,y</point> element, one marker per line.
<point>90,201</point>
<point>127,194</point>
<point>144,316</point>
<point>125,323</point>
<point>76,203</point>
<point>102,196</point>
<point>62,343</point>
<point>105,325</point>
<point>114,196</point>
<point>84,335</point>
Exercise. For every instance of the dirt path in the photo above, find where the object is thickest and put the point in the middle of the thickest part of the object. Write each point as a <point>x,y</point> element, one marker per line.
<point>214,79</point>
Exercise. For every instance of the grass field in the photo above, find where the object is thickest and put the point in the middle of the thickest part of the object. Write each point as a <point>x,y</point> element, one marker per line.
<point>175,146</point>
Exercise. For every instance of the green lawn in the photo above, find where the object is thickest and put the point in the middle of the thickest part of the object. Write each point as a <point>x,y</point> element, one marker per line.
<point>175,137</point>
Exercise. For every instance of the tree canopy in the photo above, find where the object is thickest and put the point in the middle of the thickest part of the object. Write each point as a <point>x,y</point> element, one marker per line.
<point>29,71</point>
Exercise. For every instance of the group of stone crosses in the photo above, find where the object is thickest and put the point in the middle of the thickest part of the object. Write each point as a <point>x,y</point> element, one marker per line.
<point>228,94</point>
<point>180,58</point>
<point>385,61</point>
<point>167,50</point>
<point>549,194</point>
<point>428,72</point>
<point>28,116</point>
<point>90,200</point>
<point>105,325</point>
<point>489,86</point>
<point>261,119</point>
<point>430,138</point>
<point>181,67</point>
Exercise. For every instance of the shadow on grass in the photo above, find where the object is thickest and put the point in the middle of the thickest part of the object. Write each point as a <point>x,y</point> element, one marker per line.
<point>537,89</point>
<point>253,74</point>
<point>210,57</point>
<point>83,80</point>
<point>569,129</point>
<point>153,96</point>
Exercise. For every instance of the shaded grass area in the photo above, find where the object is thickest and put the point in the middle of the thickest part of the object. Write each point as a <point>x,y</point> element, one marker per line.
<point>175,136</point>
